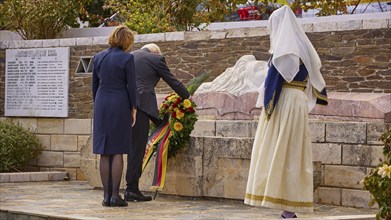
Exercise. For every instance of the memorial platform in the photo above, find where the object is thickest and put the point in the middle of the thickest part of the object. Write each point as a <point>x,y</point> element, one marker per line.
<point>77,200</point>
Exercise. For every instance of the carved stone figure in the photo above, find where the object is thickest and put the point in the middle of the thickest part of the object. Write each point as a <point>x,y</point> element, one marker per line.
<point>246,75</point>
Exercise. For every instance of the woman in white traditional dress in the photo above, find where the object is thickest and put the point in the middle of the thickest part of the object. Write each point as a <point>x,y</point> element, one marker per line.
<point>281,174</point>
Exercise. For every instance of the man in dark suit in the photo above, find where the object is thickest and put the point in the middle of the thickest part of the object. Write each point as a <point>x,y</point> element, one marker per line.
<point>150,67</point>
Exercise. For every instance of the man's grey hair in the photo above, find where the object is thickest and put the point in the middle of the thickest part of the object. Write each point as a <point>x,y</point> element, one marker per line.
<point>153,48</point>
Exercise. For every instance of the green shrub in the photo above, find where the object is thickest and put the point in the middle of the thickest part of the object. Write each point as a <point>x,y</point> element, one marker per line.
<point>17,146</point>
<point>378,181</point>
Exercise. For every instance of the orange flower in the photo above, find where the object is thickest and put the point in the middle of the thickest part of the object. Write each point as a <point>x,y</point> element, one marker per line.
<point>178,126</point>
<point>179,114</point>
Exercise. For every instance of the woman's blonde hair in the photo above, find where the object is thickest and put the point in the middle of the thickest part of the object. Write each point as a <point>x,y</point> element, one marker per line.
<point>121,37</point>
<point>153,48</point>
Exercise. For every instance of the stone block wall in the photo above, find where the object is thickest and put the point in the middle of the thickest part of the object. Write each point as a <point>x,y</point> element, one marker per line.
<point>348,151</point>
<point>218,161</point>
<point>344,142</point>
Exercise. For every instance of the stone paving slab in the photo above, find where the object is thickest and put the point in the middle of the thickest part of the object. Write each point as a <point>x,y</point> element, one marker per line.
<point>78,200</point>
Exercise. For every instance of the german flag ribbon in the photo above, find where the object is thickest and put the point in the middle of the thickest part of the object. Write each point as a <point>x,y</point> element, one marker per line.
<point>161,162</point>
<point>160,137</point>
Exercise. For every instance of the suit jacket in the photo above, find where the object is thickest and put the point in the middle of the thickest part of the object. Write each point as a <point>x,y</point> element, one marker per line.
<point>150,68</point>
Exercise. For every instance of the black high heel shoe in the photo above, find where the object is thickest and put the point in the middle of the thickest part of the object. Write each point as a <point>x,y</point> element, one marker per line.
<point>106,202</point>
<point>282,216</point>
<point>117,202</point>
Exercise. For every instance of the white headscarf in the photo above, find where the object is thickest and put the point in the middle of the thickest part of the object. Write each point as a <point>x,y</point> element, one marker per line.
<point>289,44</point>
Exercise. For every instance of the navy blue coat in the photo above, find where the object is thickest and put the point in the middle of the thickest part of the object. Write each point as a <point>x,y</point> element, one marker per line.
<point>114,93</point>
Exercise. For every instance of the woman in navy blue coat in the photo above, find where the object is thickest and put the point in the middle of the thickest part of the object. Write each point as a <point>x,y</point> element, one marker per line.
<point>114,93</point>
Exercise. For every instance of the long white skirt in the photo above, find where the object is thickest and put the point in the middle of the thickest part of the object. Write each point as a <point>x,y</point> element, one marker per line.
<point>281,174</point>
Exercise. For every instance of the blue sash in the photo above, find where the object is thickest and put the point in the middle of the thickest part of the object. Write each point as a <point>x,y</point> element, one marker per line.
<point>274,83</point>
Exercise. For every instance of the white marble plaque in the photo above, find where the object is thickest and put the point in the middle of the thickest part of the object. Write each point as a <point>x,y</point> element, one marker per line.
<point>36,82</point>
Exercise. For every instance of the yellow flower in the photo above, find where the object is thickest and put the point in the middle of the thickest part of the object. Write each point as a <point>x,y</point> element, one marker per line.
<point>186,103</point>
<point>178,126</point>
<point>179,114</point>
<point>384,171</point>
<point>172,97</point>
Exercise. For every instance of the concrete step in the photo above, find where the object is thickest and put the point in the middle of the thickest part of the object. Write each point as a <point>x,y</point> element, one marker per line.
<point>33,176</point>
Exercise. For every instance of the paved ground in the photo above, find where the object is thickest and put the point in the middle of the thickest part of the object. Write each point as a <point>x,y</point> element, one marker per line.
<point>78,200</point>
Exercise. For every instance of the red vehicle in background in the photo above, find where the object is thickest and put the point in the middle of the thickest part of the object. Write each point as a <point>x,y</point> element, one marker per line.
<point>249,13</point>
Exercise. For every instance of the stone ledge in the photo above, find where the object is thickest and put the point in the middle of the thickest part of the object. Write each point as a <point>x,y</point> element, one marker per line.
<point>219,30</point>
<point>357,105</point>
<point>33,176</point>
<point>218,105</point>
<point>351,106</point>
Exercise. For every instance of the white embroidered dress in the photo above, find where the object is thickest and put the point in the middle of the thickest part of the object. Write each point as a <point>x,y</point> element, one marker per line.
<point>281,174</point>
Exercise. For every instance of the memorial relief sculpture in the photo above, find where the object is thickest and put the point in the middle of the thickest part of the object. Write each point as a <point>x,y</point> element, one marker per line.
<point>245,76</point>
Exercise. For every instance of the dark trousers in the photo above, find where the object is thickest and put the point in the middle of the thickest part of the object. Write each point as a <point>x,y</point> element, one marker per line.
<point>139,142</point>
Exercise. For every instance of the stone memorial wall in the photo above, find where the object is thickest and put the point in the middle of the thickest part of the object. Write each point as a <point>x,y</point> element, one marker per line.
<point>355,52</point>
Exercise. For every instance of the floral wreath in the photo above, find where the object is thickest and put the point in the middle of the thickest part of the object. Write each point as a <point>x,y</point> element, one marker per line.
<point>182,117</point>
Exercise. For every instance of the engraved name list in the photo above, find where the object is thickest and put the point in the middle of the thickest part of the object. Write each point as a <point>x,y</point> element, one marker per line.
<point>37,82</point>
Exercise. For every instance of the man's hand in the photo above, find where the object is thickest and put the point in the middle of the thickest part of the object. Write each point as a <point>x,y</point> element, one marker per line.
<point>134,113</point>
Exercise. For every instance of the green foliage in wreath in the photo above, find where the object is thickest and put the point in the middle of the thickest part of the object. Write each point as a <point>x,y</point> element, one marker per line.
<point>378,181</point>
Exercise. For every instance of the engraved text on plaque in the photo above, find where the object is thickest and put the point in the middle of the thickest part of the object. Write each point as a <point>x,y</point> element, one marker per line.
<point>36,82</point>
